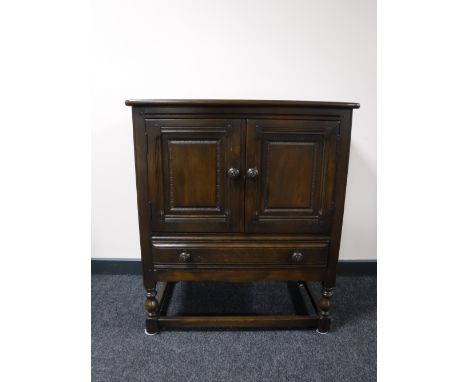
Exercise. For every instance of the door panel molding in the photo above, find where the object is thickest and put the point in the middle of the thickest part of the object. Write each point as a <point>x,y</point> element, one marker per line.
<point>189,189</point>
<point>296,161</point>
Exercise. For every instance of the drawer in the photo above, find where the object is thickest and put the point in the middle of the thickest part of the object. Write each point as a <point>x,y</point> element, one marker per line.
<point>311,254</point>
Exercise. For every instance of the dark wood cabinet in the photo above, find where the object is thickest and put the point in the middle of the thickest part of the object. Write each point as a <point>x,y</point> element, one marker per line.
<point>240,191</point>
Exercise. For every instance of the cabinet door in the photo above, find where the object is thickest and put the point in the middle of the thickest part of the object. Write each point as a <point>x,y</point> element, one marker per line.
<point>188,166</point>
<point>290,175</point>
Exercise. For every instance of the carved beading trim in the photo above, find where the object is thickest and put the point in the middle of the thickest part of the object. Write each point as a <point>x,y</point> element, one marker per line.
<point>218,174</point>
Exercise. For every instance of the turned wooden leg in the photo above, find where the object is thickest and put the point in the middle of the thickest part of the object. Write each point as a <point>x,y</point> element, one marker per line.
<point>152,309</point>
<point>324,306</point>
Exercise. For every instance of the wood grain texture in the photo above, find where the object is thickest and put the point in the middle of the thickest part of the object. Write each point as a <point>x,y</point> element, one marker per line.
<point>292,164</point>
<point>194,172</point>
<point>297,321</point>
<point>240,274</point>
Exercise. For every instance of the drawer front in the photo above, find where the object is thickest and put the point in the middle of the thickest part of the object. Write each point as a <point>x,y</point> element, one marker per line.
<point>281,254</point>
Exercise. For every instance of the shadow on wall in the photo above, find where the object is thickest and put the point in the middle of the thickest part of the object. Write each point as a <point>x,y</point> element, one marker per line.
<point>359,236</point>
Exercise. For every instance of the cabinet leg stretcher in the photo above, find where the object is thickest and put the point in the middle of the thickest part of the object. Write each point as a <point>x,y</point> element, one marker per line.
<point>157,319</point>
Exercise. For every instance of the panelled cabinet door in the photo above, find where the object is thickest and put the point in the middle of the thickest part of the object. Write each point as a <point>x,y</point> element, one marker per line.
<point>290,175</point>
<point>191,187</point>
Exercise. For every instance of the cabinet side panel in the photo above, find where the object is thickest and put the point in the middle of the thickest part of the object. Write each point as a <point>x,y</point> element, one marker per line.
<point>343,148</point>
<point>141,172</point>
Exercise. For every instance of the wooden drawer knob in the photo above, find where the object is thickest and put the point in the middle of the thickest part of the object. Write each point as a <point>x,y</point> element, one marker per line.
<point>185,257</point>
<point>297,257</point>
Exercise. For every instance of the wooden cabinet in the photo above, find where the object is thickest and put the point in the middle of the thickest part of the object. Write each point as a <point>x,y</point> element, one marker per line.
<point>240,191</point>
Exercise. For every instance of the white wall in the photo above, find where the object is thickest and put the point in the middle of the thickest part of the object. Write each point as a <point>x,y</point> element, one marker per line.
<point>248,49</point>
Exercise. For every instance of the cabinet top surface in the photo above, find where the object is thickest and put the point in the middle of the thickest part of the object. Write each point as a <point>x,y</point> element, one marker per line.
<point>238,102</point>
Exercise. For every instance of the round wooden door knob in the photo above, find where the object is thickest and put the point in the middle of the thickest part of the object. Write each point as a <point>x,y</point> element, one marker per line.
<point>252,173</point>
<point>233,173</point>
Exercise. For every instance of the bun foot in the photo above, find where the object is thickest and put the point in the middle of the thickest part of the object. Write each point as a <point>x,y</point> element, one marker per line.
<point>324,326</point>
<point>152,331</point>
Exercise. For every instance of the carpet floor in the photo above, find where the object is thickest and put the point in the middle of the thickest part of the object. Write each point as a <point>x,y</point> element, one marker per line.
<point>122,352</point>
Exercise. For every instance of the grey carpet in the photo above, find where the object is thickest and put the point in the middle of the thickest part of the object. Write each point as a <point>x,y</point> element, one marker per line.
<point>122,352</point>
